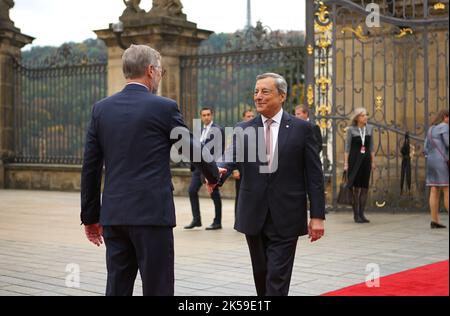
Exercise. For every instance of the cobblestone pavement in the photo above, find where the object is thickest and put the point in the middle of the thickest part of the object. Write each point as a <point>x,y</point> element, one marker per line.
<point>41,236</point>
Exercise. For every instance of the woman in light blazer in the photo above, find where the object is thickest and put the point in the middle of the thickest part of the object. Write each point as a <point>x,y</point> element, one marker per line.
<point>436,153</point>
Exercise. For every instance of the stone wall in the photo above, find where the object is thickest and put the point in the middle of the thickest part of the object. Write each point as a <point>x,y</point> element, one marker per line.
<point>2,175</point>
<point>42,177</point>
<point>68,178</point>
<point>11,41</point>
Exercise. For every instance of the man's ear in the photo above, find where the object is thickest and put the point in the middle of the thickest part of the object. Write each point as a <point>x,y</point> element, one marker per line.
<point>150,71</point>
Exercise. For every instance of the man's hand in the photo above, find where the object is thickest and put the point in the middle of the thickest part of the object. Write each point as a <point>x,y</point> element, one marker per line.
<point>94,233</point>
<point>211,187</point>
<point>316,229</point>
<point>236,175</point>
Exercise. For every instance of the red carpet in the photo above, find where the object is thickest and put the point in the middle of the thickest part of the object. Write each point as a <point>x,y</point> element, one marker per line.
<point>429,280</point>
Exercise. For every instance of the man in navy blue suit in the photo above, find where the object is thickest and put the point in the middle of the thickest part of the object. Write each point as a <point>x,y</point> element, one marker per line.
<point>213,138</point>
<point>130,135</point>
<point>272,201</point>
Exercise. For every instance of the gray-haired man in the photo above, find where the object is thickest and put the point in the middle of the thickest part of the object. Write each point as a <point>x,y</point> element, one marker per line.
<point>129,135</point>
<point>271,208</point>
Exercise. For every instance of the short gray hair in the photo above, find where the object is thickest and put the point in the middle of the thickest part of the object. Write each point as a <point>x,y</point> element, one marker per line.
<point>280,82</point>
<point>136,60</point>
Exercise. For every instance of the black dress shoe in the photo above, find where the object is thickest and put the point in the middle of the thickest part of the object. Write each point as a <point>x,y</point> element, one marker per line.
<point>436,225</point>
<point>193,224</point>
<point>214,227</point>
<point>364,219</point>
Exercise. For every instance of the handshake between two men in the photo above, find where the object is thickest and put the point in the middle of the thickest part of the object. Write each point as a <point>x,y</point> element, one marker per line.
<point>135,216</point>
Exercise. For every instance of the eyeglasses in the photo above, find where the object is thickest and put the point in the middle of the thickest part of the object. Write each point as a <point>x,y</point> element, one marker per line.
<point>163,70</point>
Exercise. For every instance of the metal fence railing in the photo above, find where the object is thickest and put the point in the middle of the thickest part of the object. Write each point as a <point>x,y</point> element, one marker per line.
<point>226,81</point>
<point>52,107</point>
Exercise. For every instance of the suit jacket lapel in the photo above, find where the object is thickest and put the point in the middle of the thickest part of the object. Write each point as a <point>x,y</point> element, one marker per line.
<point>283,133</point>
<point>258,122</point>
<point>208,135</point>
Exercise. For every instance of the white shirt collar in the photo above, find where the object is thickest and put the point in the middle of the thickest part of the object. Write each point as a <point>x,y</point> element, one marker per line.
<point>276,118</point>
<point>205,132</point>
<point>138,83</point>
<point>209,125</point>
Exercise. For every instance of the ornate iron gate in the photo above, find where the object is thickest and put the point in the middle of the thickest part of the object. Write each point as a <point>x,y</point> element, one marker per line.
<point>398,69</point>
<point>52,107</point>
<point>225,81</point>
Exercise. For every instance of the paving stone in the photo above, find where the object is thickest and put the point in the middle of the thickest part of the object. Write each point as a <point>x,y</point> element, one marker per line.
<point>34,251</point>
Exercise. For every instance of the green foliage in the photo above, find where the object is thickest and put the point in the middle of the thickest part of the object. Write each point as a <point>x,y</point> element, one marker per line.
<point>226,81</point>
<point>246,40</point>
<point>55,98</point>
<point>216,43</point>
<point>225,72</point>
<point>91,49</point>
<point>57,87</point>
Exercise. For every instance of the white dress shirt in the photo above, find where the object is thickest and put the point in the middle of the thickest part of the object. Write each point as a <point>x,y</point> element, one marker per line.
<point>274,128</point>
<point>205,131</point>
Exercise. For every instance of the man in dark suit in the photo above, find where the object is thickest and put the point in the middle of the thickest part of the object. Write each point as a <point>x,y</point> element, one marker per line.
<point>272,199</point>
<point>130,134</point>
<point>213,138</point>
<point>302,112</point>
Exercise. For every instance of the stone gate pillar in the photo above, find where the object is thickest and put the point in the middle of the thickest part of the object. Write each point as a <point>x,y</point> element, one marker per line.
<point>11,41</point>
<point>164,28</point>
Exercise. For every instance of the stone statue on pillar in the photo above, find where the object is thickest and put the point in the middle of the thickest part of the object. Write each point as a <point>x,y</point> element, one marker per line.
<point>133,6</point>
<point>5,6</point>
<point>132,9</point>
<point>171,8</point>
<point>166,28</point>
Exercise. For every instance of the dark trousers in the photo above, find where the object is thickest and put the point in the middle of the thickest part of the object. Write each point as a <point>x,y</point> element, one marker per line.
<point>196,184</point>
<point>237,187</point>
<point>272,260</point>
<point>148,249</point>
